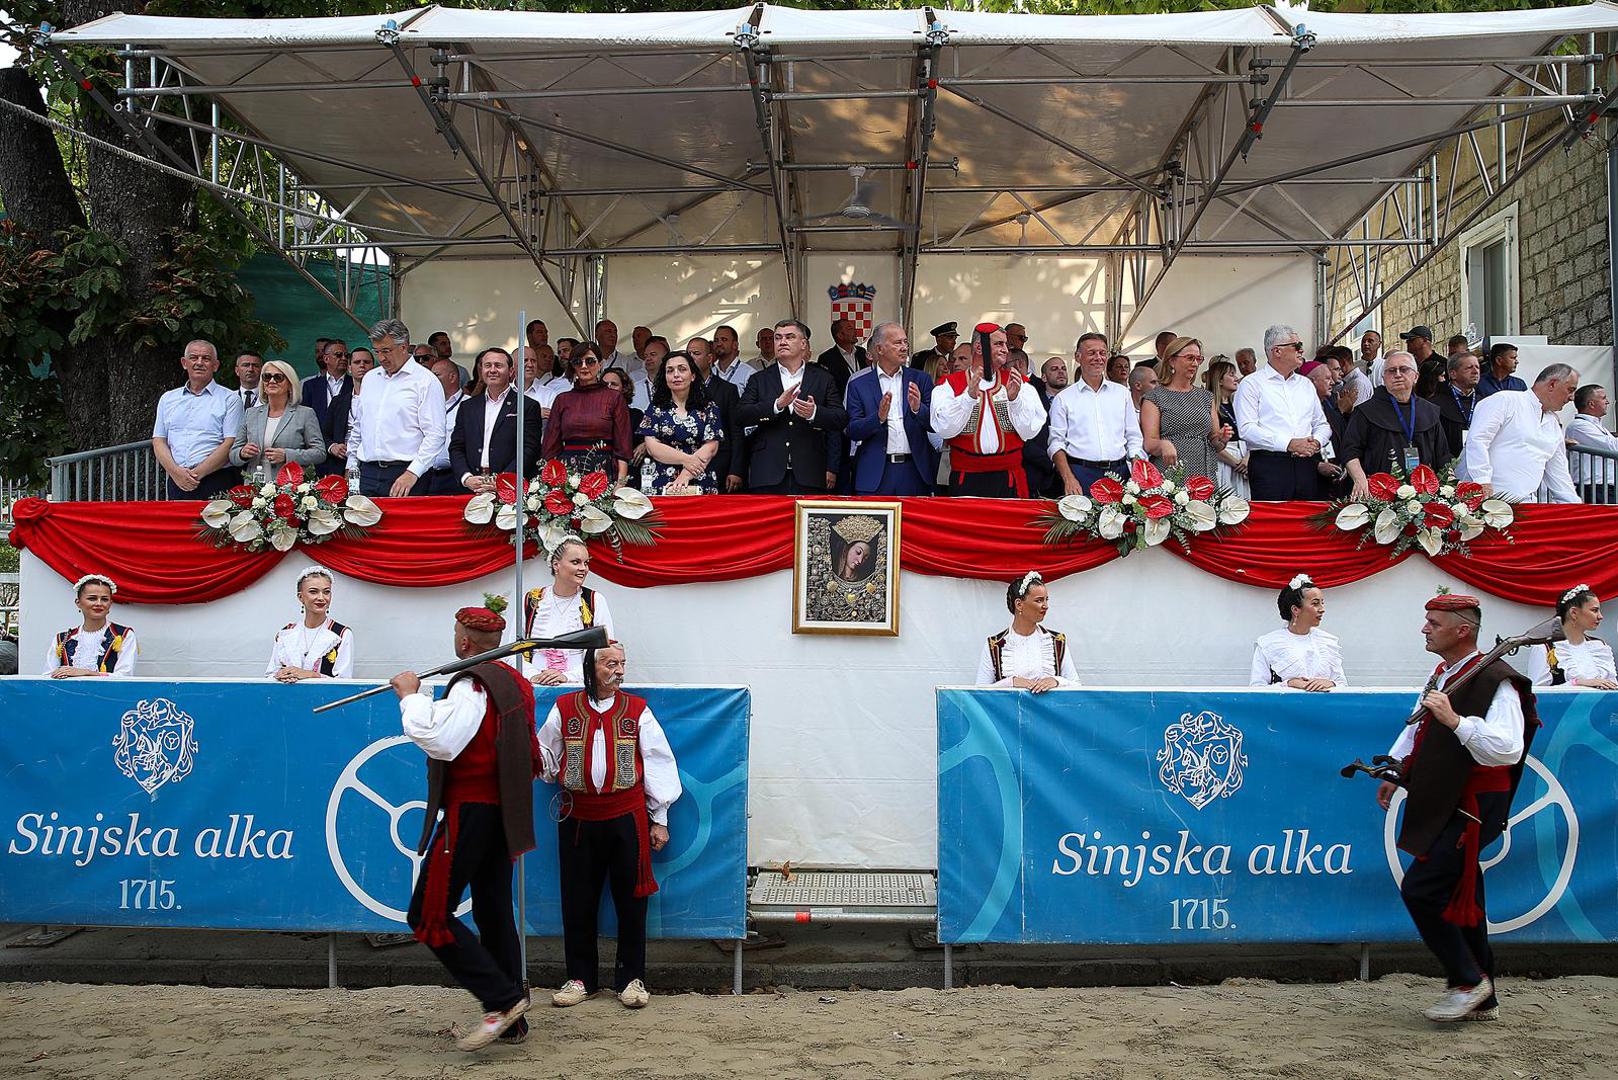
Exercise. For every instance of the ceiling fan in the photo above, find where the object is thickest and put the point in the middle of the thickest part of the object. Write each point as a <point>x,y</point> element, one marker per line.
<point>857,209</point>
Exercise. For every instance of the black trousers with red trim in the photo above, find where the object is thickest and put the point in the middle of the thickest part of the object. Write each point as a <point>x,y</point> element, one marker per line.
<point>1430,882</point>
<point>489,963</point>
<point>594,853</point>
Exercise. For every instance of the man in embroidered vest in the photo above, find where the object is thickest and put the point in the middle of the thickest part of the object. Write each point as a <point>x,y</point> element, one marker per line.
<point>618,777</point>
<point>1461,764</point>
<point>482,759</point>
<point>984,416</point>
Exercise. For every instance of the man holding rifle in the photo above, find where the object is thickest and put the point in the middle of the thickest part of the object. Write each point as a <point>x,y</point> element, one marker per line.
<point>482,758</point>
<point>1461,756</point>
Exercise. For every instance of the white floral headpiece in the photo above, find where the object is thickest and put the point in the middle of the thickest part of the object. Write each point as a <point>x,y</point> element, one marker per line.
<point>313,570</point>
<point>102,579</point>
<point>1574,591</point>
<point>1300,581</point>
<point>1028,581</point>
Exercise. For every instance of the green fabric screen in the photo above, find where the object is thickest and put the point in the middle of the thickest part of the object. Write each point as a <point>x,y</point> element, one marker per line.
<point>300,313</point>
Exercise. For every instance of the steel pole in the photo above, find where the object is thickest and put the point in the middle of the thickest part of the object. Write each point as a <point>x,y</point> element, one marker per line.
<point>517,595</point>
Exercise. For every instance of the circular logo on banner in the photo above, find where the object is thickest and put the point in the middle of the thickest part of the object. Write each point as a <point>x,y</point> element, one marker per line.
<point>1554,800</point>
<point>369,841</point>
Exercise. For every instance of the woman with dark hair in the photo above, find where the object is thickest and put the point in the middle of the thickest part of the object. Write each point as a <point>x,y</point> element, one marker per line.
<point>1300,654</point>
<point>588,427</point>
<point>1221,380</point>
<point>1583,659</point>
<point>682,430</point>
<point>98,646</point>
<point>1025,654</point>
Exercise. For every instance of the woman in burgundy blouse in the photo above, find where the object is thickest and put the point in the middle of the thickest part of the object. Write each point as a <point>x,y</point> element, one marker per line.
<point>588,427</point>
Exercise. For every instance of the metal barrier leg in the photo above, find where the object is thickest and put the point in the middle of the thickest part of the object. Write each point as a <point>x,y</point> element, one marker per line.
<point>1365,963</point>
<point>949,966</point>
<point>331,961</point>
<point>736,970</point>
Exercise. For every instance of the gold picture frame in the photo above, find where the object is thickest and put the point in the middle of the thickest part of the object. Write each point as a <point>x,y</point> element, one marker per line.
<point>838,585</point>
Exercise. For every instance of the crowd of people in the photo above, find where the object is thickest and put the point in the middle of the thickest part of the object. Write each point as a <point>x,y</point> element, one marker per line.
<point>964,417</point>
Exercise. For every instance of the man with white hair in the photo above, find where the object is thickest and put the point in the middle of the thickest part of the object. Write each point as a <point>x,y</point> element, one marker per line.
<point>889,406</point>
<point>1279,415</point>
<point>197,423</point>
<point>1516,444</point>
<point>396,433</point>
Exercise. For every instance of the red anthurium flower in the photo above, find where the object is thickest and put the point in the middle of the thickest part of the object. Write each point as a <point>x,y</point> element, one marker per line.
<point>505,487</point>
<point>242,495</point>
<point>1438,515</point>
<point>1424,480</point>
<point>594,484</point>
<point>286,508</point>
<point>557,502</point>
<point>1107,490</point>
<point>332,488</point>
<point>554,474</point>
<point>1471,494</point>
<point>1383,486</point>
<point>1144,473</point>
<point>1157,506</point>
<point>1200,488</point>
<point>291,473</point>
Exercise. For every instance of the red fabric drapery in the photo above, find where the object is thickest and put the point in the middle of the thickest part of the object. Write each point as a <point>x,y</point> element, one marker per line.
<point>153,551</point>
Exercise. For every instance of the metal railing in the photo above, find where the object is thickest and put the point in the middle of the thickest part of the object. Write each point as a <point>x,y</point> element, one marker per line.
<point>1595,473</point>
<point>125,473</point>
<point>10,492</point>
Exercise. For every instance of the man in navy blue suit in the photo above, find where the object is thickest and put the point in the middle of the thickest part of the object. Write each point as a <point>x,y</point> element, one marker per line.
<point>888,416</point>
<point>333,386</point>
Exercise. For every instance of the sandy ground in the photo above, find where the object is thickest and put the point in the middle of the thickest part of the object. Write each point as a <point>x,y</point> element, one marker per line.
<point>1243,1028</point>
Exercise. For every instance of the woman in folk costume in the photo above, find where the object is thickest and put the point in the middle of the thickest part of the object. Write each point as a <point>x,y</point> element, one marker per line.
<point>1026,655</point>
<point>618,780</point>
<point>96,646</point>
<point>1581,660</point>
<point>318,646</point>
<point>566,605</point>
<point>1300,654</point>
<point>984,419</point>
<point>482,757</point>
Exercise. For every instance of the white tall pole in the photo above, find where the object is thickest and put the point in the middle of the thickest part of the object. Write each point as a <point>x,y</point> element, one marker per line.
<point>518,597</point>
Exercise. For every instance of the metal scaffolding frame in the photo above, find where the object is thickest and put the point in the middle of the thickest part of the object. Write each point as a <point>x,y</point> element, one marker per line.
<point>1204,193</point>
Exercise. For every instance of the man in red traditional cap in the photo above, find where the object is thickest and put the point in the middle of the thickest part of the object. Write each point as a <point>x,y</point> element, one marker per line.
<point>482,758</point>
<point>619,779</point>
<point>985,417</point>
<point>1460,766</point>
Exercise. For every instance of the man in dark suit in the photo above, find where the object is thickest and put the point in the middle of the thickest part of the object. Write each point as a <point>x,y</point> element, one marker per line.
<point>1457,398</point>
<point>845,357</point>
<point>894,458</point>
<point>725,396</point>
<point>795,410</point>
<point>475,460</point>
<point>329,394</point>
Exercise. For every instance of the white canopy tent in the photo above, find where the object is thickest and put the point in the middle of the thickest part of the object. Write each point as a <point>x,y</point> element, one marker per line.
<point>1134,139</point>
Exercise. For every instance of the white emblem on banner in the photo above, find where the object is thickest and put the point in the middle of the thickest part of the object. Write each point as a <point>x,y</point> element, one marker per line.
<point>1202,758</point>
<point>350,781</point>
<point>154,744</point>
<point>1555,800</point>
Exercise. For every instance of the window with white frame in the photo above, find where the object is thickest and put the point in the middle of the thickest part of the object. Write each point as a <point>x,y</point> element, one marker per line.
<point>1489,276</point>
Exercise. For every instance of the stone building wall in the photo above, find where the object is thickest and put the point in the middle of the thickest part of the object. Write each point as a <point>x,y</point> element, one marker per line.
<point>1563,282</point>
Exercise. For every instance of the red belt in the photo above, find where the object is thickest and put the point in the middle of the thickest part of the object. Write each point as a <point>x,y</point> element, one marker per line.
<point>605,807</point>
<point>1463,907</point>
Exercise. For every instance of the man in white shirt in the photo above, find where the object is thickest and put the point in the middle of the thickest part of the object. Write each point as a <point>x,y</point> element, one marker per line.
<point>1586,430</point>
<point>765,342</point>
<point>1371,360</point>
<point>396,430</point>
<point>1092,432</point>
<point>607,337</point>
<point>984,416</point>
<point>1516,444</point>
<point>1280,419</point>
<point>727,361</point>
<point>1142,381</point>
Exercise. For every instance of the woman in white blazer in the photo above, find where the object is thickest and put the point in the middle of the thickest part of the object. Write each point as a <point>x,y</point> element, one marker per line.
<point>278,429</point>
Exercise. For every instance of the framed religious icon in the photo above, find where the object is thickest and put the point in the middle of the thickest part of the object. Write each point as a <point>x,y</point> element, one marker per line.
<point>845,568</point>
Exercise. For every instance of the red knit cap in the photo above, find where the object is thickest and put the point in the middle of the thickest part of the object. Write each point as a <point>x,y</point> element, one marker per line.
<point>1453,602</point>
<point>985,328</point>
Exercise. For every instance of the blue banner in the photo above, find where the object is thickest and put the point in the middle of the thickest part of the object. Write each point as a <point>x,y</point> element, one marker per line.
<point>1115,816</point>
<point>216,804</point>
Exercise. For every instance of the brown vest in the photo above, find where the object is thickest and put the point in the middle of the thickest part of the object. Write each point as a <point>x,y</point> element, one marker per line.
<point>513,757</point>
<point>1435,777</point>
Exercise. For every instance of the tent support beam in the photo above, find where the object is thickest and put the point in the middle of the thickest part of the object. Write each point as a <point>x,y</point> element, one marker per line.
<point>759,75</point>
<point>388,36</point>
<point>922,126</point>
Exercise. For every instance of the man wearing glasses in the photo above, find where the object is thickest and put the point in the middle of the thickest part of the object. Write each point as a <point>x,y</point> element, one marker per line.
<point>1282,423</point>
<point>327,393</point>
<point>397,430</point>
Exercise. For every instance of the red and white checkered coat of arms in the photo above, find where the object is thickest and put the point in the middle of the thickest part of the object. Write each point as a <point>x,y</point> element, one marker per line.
<point>854,302</point>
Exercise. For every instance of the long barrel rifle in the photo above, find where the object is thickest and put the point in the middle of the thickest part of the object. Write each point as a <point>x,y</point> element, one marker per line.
<point>593,637</point>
